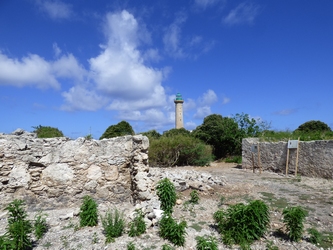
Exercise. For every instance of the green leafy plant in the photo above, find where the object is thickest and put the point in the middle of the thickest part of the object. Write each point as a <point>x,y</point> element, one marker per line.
<point>166,193</point>
<point>194,197</point>
<point>113,225</point>
<point>120,129</point>
<point>40,225</point>
<point>242,224</point>
<point>270,245</point>
<point>19,228</point>
<point>167,247</point>
<point>293,217</point>
<point>172,231</point>
<point>47,132</point>
<point>88,212</point>
<point>95,238</point>
<point>206,243</point>
<point>315,236</point>
<point>130,246</point>
<point>138,225</point>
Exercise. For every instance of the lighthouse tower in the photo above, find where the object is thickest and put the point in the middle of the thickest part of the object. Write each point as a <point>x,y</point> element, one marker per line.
<point>179,111</point>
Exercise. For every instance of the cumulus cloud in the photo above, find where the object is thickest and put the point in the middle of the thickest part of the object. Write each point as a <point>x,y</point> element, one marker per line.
<point>55,9</point>
<point>56,50</point>
<point>34,70</point>
<point>208,98</point>
<point>202,112</point>
<point>31,70</point>
<point>225,100</point>
<point>243,13</point>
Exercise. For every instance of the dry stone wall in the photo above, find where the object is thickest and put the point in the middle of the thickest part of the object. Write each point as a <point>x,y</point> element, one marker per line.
<point>315,158</point>
<point>59,171</point>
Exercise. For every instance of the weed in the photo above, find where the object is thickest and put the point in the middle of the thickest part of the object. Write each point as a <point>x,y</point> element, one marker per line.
<point>138,225</point>
<point>221,201</point>
<point>95,238</point>
<point>113,225</point>
<point>166,193</point>
<point>315,236</point>
<point>64,241</point>
<point>206,243</point>
<point>172,231</point>
<point>40,225</point>
<point>234,159</point>
<point>270,245</point>
<point>130,246</point>
<point>19,228</point>
<point>47,245</point>
<point>194,197</point>
<point>88,212</point>
<point>196,227</point>
<point>293,217</point>
<point>167,247</point>
<point>242,224</point>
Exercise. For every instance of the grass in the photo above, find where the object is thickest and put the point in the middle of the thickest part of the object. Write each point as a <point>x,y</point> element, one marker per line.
<point>276,203</point>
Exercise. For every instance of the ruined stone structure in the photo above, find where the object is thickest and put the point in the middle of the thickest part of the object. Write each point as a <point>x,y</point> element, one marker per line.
<point>55,171</point>
<point>315,158</point>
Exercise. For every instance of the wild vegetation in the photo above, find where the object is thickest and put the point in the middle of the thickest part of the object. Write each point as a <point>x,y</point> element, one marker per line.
<point>47,132</point>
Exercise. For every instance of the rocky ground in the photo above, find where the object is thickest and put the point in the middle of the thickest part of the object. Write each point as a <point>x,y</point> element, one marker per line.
<point>219,186</point>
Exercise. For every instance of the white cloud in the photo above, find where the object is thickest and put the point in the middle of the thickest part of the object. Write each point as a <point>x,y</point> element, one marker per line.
<point>208,98</point>
<point>172,37</point>
<point>243,13</point>
<point>285,112</point>
<point>32,70</point>
<point>205,3</point>
<point>55,9</point>
<point>202,112</point>
<point>190,125</point>
<point>79,98</point>
<point>68,67</point>
<point>56,50</point>
<point>225,100</point>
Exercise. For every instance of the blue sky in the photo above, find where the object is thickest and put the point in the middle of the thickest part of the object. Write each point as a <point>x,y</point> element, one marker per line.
<point>82,66</point>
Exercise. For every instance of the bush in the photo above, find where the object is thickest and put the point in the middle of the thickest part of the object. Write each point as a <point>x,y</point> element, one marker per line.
<point>88,212</point>
<point>206,243</point>
<point>172,231</point>
<point>180,150</point>
<point>113,225</point>
<point>130,246</point>
<point>18,231</point>
<point>40,225</point>
<point>138,225</point>
<point>194,197</point>
<point>166,193</point>
<point>243,224</point>
<point>120,129</point>
<point>47,132</point>
<point>293,217</point>
<point>312,126</point>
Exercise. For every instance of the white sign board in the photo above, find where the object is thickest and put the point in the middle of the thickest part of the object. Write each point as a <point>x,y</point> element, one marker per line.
<point>293,144</point>
<point>254,148</point>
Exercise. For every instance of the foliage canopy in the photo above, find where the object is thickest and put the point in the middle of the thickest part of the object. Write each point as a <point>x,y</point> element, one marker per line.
<point>47,132</point>
<point>120,129</point>
<point>314,126</point>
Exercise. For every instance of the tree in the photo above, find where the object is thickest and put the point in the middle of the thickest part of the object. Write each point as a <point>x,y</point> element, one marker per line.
<point>47,132</point>
<point>250,127</point>
<point>152,134</point>
<point>314,126</point>
<point>121,129</point>
<point>222,133</point>
<point>176,131</point>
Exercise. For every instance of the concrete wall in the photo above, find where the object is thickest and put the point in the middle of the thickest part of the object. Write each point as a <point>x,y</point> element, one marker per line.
<point>315,158</point>
<point>60,171</point>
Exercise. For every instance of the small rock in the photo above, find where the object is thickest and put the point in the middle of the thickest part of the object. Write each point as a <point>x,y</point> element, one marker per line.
<point>179,201</point>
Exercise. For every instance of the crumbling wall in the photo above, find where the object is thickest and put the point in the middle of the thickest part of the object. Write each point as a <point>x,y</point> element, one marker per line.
<point>315,158</point>
<point>60,171</point>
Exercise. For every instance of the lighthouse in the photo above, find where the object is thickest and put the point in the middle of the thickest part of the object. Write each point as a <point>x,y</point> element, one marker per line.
<point>179,111</point>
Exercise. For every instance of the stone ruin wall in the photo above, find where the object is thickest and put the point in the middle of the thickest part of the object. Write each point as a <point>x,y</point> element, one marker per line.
<point>59,171</point>
<point>315,158</point>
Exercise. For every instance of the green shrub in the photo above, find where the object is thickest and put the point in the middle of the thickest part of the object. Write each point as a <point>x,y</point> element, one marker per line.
<point>172,231</point>
<point>138,225</point>
<point>47,132</point>
<point>130,246</point>
<point>19,227</point>
<point>180,150</point>
<point>234,159</point>
<point>206,243</point>
<point>120,129</point>
<point>243,224</point>
<point>315,236</point>
<point>293,217</point>
<point>167,247</point>
<point>194,197</point>
<point>113,225</point>
<point>166,193</point>
<point>40,225</point>
<point>88,212</point>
